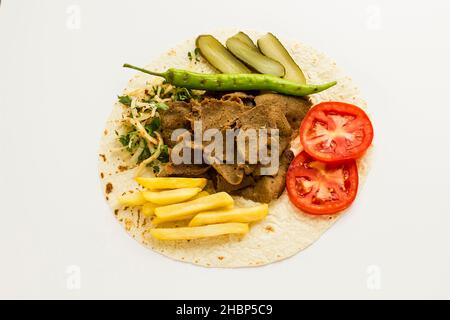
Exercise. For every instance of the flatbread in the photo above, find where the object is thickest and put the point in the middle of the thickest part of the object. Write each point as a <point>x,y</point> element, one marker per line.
<point>285,231</point>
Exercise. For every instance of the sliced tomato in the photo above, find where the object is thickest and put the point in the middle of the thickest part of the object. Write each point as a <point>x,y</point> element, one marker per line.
<point>336,131</point>
<point>318,187</point>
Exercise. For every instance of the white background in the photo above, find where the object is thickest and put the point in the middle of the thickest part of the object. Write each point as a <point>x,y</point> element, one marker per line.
<point>59,77</point>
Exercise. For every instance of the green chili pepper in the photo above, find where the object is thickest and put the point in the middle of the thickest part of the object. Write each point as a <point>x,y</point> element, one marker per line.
<point>235,82</point>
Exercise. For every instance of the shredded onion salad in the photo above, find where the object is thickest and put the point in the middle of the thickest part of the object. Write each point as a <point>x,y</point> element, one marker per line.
<point>141,123</point>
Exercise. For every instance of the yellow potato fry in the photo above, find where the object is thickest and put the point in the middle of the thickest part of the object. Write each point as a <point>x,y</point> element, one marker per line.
<point>188,209</point>
<point>188,233</point>
<point>250,214</point>
<point>171,183</point>
<point>148,209</point>
<point>170,196</point>
<point>132,199</point>
<point>200,195</point>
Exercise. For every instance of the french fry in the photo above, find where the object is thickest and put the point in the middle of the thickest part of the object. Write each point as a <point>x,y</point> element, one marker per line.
<point>201,194</point>
<point>148,209</point>
<point>188,209</point>
<point>132,199</point>
<point>171,183</point>
<point>250,214</point>
<point>170,196</point>
<point>189,233</point>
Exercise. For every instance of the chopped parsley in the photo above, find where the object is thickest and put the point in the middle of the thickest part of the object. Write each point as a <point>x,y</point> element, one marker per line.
<point>162,106</point>
<point>164,156</point>
<point>182,94</point>
<point>153,126</point>
<point>131,140</point>
<point>124,139</point>
<point>126,100</point>
<point>195,55</point>
<point>156,169</point>
<point>145,154</point>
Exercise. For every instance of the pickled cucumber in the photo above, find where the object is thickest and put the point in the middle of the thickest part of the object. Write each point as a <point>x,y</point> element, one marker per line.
<point>272,48</point>
<point>254,58</point>
<point>245,39</point>
<point>218,56</point>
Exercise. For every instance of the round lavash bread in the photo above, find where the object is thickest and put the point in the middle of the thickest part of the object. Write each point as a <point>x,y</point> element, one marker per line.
<point>285,231</point>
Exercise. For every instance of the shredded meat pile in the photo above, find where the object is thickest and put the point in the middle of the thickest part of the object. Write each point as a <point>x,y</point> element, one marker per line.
<point>238,111</point>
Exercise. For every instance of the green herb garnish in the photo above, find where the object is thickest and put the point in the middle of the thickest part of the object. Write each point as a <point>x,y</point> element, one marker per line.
<point>130,140</point>
<point>145,154</point>
<point>197,54</point>
<point>164,155</point>
<point>181,94</point>
<point>126,100</point>
<point>156,169</point>
<point>194,56</point>
<point>124,139</point>
<point>162,106</point>
<point>153,126</point>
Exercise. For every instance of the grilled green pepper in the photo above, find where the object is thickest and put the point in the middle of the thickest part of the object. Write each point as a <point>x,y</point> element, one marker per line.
<point>217,55</point>
<point>234,82</point>
<point>272,47</point>
<point>254,58</point>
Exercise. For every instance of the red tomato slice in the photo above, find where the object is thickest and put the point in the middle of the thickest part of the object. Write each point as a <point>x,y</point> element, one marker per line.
<point>321,188</point>
<point>336,131</point>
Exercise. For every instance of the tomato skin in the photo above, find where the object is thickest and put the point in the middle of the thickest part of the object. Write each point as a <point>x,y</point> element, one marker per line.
<point>302,167</point>
<point>356,125</point>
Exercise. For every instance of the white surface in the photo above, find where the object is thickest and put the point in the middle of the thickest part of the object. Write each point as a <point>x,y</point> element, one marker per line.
<point>57,85</point>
